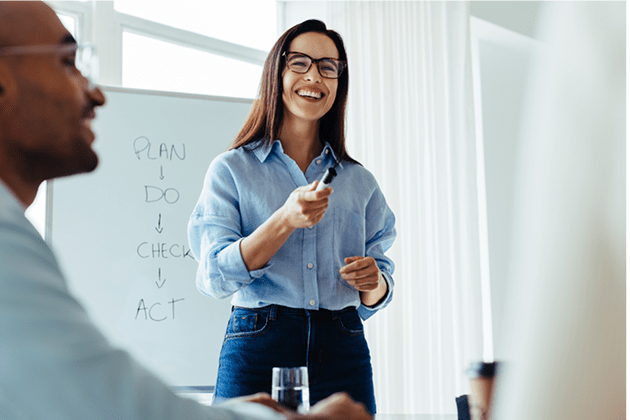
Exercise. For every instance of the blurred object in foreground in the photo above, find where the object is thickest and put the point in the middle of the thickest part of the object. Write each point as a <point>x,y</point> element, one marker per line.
<point>568,260</point>
<point>482,380</point>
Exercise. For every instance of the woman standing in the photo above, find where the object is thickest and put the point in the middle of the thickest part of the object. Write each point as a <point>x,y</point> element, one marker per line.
<point>304,266</point>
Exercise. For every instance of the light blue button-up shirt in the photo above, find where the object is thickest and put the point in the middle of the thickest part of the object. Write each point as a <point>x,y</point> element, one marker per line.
<point>244,187</point>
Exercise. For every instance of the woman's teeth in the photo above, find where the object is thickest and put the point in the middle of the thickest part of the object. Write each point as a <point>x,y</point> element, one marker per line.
<point>309,94</point>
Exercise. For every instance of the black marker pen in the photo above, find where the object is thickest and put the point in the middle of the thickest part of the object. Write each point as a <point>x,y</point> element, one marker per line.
<point>329,175</point>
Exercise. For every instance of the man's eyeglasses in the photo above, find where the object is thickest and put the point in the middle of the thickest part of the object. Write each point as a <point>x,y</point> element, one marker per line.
<point>330,68</point>
<point>82,56</point>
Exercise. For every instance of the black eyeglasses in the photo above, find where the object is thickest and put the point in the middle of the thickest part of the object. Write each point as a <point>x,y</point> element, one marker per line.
<point>330,68</point>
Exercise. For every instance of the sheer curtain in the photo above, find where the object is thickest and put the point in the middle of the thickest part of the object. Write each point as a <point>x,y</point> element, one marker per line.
<point>411,122</point>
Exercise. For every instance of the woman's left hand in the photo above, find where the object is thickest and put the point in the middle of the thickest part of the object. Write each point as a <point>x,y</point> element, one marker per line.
<point>362,273</point>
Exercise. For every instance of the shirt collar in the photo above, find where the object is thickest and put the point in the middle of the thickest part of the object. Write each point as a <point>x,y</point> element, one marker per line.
<point>5,190</point>
<point>330,150</point>
<point>264,150</point>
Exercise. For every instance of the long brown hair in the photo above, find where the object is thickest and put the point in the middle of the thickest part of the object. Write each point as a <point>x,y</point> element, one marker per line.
<point>265,117</point>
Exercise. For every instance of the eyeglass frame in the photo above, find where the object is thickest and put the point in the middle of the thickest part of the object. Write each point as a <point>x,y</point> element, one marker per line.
<point>315,61</point>
<point>89,71</point>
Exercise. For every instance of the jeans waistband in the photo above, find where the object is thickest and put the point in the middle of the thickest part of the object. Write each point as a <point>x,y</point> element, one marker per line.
<point>276,310</point>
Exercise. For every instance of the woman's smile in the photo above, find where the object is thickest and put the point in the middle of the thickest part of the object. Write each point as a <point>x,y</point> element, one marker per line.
<point>310,93</point>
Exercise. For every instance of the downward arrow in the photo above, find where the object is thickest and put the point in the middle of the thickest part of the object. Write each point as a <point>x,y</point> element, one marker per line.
<point>161,172</point>
<point>160,282</point>
<point>159,227</point>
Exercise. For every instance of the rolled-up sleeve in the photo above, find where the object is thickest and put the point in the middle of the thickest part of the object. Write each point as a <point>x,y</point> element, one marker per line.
<point>215,233</point>
<point>380,235</point>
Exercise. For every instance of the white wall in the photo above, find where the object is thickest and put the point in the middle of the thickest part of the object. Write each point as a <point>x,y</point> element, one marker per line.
<point>502,64</point>
<point>293,12</point>
<point>517,16</point>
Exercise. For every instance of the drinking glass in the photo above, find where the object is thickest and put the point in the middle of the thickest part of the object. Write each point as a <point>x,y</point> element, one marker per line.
<point>289,386</point>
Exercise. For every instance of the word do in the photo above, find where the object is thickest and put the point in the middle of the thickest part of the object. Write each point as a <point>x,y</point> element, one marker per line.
<point>153,194</point>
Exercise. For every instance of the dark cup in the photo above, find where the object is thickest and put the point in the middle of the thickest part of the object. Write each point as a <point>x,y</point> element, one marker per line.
<point>482,378</point>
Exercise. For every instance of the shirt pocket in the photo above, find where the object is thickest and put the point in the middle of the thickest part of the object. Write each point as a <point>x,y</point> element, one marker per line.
<point>349,239</point>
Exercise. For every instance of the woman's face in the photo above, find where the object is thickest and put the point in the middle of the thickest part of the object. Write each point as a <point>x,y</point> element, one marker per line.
<point>309,96</point>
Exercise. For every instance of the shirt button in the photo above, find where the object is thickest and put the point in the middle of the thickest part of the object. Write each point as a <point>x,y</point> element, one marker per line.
<point>312,302</point>
<point>310,265</point>
<point>318,161</point>
<point>310,227</point>
<point>326,151</point>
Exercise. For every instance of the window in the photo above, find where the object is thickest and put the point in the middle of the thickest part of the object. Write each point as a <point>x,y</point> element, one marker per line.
<point>251,23</point>
<point>69,22</point>
<point>213,48</point>
<point>149,63</point>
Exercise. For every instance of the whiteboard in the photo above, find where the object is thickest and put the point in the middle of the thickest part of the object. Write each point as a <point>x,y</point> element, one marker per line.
<point>120,232</point>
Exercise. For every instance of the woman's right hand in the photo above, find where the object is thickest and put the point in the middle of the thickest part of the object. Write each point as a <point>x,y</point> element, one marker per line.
<point>305,207</point>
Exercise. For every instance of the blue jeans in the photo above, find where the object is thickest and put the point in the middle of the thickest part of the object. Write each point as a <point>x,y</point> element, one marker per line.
<point>330,343</point>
